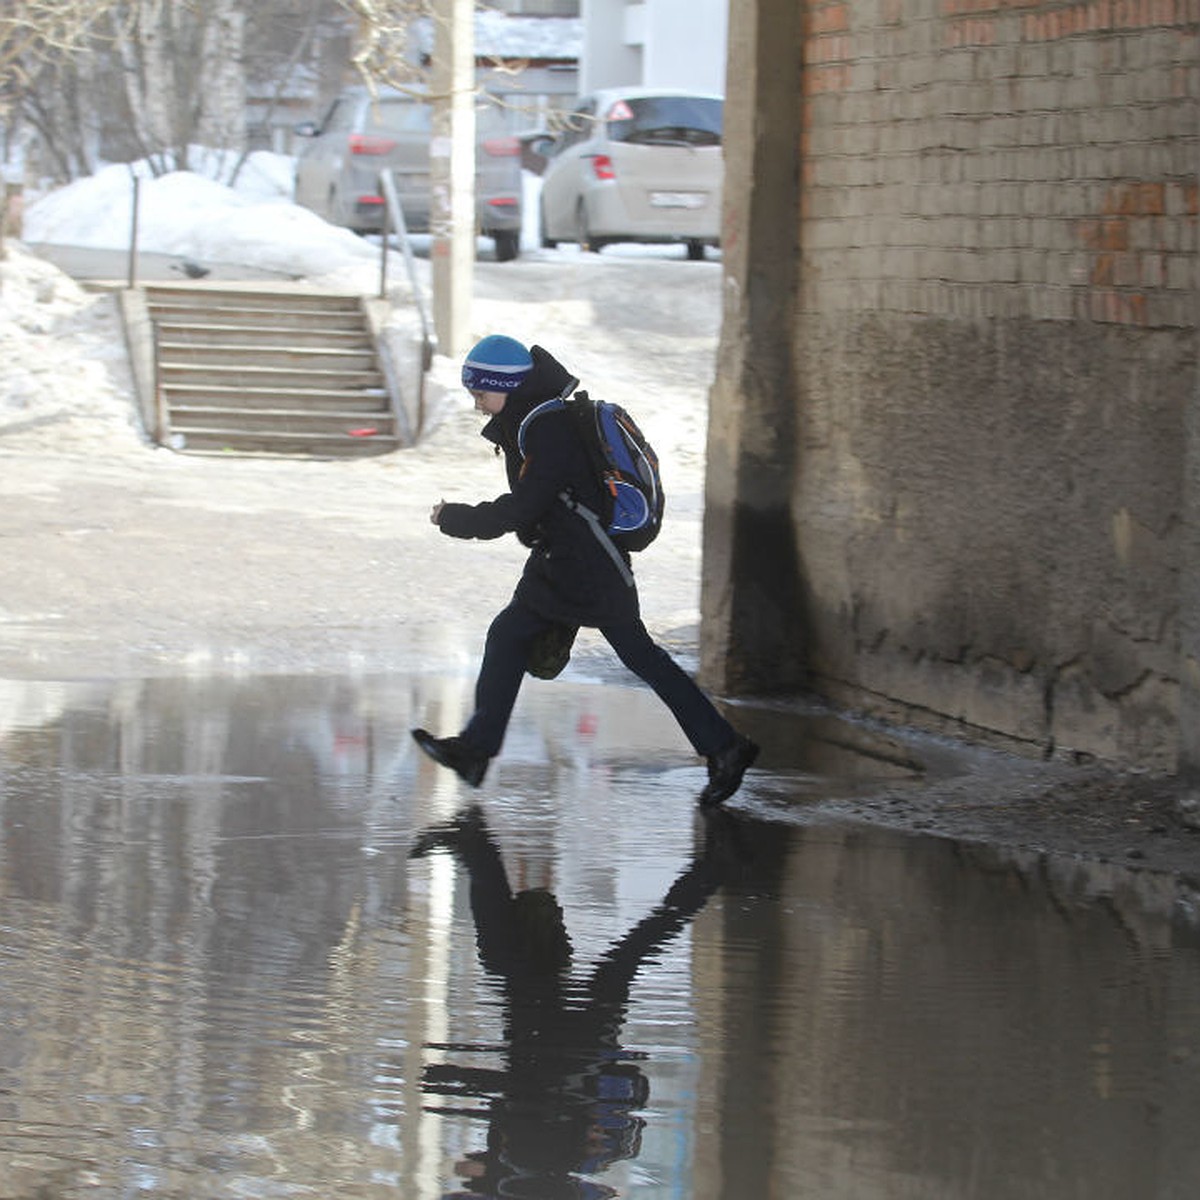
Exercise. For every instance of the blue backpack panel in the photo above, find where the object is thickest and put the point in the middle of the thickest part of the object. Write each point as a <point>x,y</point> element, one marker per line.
<point>624,462</point>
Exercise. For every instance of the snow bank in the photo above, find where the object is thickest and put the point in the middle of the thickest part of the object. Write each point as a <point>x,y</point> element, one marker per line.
<point>65,369</point>
<point>254,223</point>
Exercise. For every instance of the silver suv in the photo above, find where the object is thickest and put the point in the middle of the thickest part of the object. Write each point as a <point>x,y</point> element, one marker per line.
<point>337,173</point>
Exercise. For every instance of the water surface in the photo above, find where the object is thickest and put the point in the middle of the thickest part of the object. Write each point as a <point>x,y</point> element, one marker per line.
<point>253,945</point>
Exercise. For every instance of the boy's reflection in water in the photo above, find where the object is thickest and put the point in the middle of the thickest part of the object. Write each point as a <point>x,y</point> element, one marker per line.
<point>566,1103</point>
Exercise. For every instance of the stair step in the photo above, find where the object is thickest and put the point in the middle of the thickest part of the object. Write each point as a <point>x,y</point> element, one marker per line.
<point>271,336</point>
<point>242,317</point>
<point>286,443</point>
<point>243,375</point>
<point>199,297</point>
<point>300,399</point>
<point>297,358</point>
<point>277,420</point>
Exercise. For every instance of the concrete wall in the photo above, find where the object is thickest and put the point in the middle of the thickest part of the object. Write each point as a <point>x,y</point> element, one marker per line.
<point>686,44</point>
<point>949,453</point>
<point>609,59</point>
<point>654,43</point>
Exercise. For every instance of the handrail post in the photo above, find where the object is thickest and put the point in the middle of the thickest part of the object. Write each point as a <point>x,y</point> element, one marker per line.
<point>392,205</point>
<point>383,245</point>
<point>133,232</point>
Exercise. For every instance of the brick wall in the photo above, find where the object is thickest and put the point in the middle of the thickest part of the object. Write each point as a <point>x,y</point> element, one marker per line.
<point>992,330</point>
<point>973,159</point>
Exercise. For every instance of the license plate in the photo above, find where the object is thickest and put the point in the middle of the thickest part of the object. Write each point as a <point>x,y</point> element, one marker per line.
<point>677,199</point>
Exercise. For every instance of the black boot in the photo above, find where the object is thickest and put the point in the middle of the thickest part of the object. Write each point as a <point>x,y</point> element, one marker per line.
<point>726,768</point>
<point>454,753</point>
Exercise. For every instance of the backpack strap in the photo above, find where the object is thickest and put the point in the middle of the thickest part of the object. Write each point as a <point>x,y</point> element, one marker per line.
<point>574,505</point>
<point>601,535</point>
<point>545,406</point>
<point>559,401</point>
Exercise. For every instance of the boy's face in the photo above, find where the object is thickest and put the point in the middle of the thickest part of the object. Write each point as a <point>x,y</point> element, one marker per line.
<point>489,402</point>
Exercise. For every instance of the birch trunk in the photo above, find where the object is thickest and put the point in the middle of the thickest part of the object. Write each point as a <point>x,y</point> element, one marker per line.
<point>221,85</point>
<point>141,37</point>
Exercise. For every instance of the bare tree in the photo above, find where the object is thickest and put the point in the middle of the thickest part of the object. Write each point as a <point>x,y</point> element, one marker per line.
<point>150,79</point>
<point>223,90</point>
<point>34,32</point>
<point>180,63</point>
<point>394,38</point>
<point>39,40</point>
<point>36,37</point>
<point>384,53</point>
<point>117,80</point>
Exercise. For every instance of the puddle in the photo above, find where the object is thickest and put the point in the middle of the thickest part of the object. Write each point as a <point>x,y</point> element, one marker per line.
<point>253,945</point>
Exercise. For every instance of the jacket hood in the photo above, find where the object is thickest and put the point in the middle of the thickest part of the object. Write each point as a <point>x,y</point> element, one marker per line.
<point>548,379</point>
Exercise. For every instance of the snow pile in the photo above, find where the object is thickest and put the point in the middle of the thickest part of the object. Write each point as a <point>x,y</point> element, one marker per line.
<point>254,223</point>
<point>65,368</point>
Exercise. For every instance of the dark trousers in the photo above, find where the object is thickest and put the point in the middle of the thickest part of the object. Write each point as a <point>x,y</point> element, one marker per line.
<point>507,649</point>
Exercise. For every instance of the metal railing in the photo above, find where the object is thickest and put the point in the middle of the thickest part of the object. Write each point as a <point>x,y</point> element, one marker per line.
<point>134,216</point>
<point>393,217</point>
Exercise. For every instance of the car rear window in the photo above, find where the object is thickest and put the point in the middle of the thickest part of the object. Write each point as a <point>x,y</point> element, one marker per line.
<point>663,120</point>
<point>402,116</point>
<point>413,116</point>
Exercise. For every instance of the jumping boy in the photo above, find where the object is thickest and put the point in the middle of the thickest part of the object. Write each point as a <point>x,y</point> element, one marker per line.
<point>569,578</point>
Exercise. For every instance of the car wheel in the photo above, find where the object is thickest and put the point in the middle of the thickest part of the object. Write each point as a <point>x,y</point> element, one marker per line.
<point>508,245</point>
<point>583,234</point>
<point>695,250</point>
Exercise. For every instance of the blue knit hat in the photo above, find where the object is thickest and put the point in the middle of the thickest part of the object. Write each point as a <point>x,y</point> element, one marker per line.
<point>497,364</point>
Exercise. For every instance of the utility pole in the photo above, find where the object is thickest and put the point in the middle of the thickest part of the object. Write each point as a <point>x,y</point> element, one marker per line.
<point>452,172</point>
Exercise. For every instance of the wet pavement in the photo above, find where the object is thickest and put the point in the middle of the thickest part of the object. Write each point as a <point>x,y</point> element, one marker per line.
<point>252,944</point>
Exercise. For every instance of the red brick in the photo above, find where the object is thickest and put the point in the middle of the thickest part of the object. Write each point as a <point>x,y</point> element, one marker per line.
<point>1111,233</point>
<point>832,18</point>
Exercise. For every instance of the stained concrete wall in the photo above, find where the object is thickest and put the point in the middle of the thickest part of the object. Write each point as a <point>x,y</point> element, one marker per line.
<point>952,443</point>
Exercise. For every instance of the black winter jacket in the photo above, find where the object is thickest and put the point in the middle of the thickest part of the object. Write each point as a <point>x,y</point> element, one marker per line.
<point>569,575</point>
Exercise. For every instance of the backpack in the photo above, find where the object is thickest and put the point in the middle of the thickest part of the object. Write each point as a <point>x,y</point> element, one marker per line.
<point>626,468</point>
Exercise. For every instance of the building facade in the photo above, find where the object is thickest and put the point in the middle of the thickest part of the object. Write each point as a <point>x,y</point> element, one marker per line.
<point>954,452</point>
<point>655,43</point>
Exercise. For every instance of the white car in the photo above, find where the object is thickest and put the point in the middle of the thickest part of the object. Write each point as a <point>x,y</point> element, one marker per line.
<point>635,165</point>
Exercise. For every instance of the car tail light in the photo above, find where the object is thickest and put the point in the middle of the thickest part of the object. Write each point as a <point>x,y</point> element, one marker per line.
<point>502,147</point>
<point>368,201</point>
<point>361,143</point>
<point>602,165</point>
<point>502,202</point>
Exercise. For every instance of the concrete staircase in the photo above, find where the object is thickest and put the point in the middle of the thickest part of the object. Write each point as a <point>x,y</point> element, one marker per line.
<point>267,371</point>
